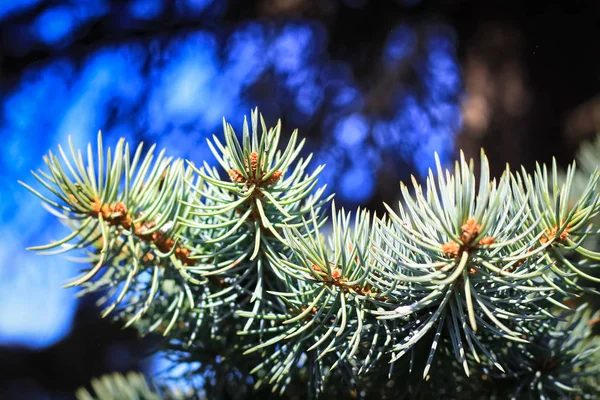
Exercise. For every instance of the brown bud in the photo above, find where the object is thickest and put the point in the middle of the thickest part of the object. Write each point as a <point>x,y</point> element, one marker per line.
<point>96,205</point>
<point>470,229</point>
<point>487,240</point>
<point>550,234</point>
<point>253,161</point>
<point>120,208</point>
<point>336,274</point>
<point>236,176</point>
<point>273,178</point>
<point>106,210</point>
<point>451,248</point>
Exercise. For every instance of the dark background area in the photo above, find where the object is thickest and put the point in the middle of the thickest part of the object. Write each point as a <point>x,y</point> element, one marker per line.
<point>376,87</point>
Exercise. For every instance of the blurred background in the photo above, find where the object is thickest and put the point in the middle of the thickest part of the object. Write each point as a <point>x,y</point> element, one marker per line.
<point>377,86</point>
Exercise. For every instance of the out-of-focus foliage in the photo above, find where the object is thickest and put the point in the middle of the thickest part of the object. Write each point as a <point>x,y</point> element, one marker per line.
<point>132,386</point>
<point>588,160</point>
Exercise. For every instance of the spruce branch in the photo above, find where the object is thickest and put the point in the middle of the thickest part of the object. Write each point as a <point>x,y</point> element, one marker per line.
<point>477,260</point>
<point>325,297</point>
<point>466,276</point>
<point>450,260</point>
<point>239,219</point>
<point>122,210</point>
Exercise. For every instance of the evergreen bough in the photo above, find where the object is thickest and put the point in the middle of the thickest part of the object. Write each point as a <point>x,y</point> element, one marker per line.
<point>471,288</point>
